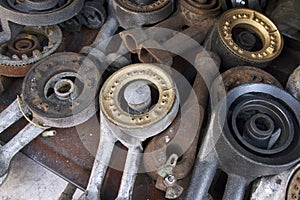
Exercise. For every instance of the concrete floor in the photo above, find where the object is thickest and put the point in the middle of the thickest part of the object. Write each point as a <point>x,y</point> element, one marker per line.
<point>28,180</point>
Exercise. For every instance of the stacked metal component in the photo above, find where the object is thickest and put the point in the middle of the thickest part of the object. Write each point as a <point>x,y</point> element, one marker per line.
<point>169,99</point>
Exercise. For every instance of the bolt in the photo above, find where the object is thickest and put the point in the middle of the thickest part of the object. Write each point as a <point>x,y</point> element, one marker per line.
<point>170,180</point>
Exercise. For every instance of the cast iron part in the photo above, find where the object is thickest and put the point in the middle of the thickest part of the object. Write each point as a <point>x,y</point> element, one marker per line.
<point>246,37</point>
<point>235,149</point>
<point>92,15</point>
<point>237,76</point>
<point>134,14</point>
<point>293,84</point>
<point>32,13</point>
<point>59,92</point>
<point>285,185</point>
<point>119,123</point>
<point>30,46</point>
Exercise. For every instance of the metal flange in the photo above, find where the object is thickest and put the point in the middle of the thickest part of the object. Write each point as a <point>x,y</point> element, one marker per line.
<point>61,90</point>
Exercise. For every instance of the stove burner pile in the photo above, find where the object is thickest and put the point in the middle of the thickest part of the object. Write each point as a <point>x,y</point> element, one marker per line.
<point>140,108</point>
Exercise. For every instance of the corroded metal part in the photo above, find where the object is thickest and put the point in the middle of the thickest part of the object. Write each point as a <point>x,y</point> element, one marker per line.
<point>138,96</point>
<point>133,38</point>
<point>15,12</point>
<point>111,95</point>
<point>39,90</point>
<point>222,147</point>
<point>237,76</point>
<point>293,84</point>
<point>158,44</point>
<point>196,12</point>
<point>65,153</point>
<point>30,46</point>
<point>133,14</point>
<point>60,92</point>
<point>246,37</point>
<point>132,131</point>
<point>282,186</point>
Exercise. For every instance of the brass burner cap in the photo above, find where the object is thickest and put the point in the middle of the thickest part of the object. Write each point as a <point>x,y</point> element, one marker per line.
<point>256,22</point>
<point>113,89</point>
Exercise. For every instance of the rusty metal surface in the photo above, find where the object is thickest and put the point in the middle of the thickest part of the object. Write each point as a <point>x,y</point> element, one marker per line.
<point>292,85</point>
<point>179,135</point>
<point>237,76</point>
<point>196,12</point>
<point>56,153</point>
<point>65,154</point>
<point>30,46</point>
<point>44,89</point>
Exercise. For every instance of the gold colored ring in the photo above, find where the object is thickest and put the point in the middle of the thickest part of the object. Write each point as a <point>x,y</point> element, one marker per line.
<point>113,88</point>
<point>257,22</point>
<point>294,187</point>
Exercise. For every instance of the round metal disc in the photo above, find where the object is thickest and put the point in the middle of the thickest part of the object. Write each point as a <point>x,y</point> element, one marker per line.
<point>39,89</point>
<point>113,88</point>
<point>260,25</point>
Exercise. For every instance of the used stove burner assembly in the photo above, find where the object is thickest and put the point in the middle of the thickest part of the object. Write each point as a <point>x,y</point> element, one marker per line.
<point>155,99</point>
